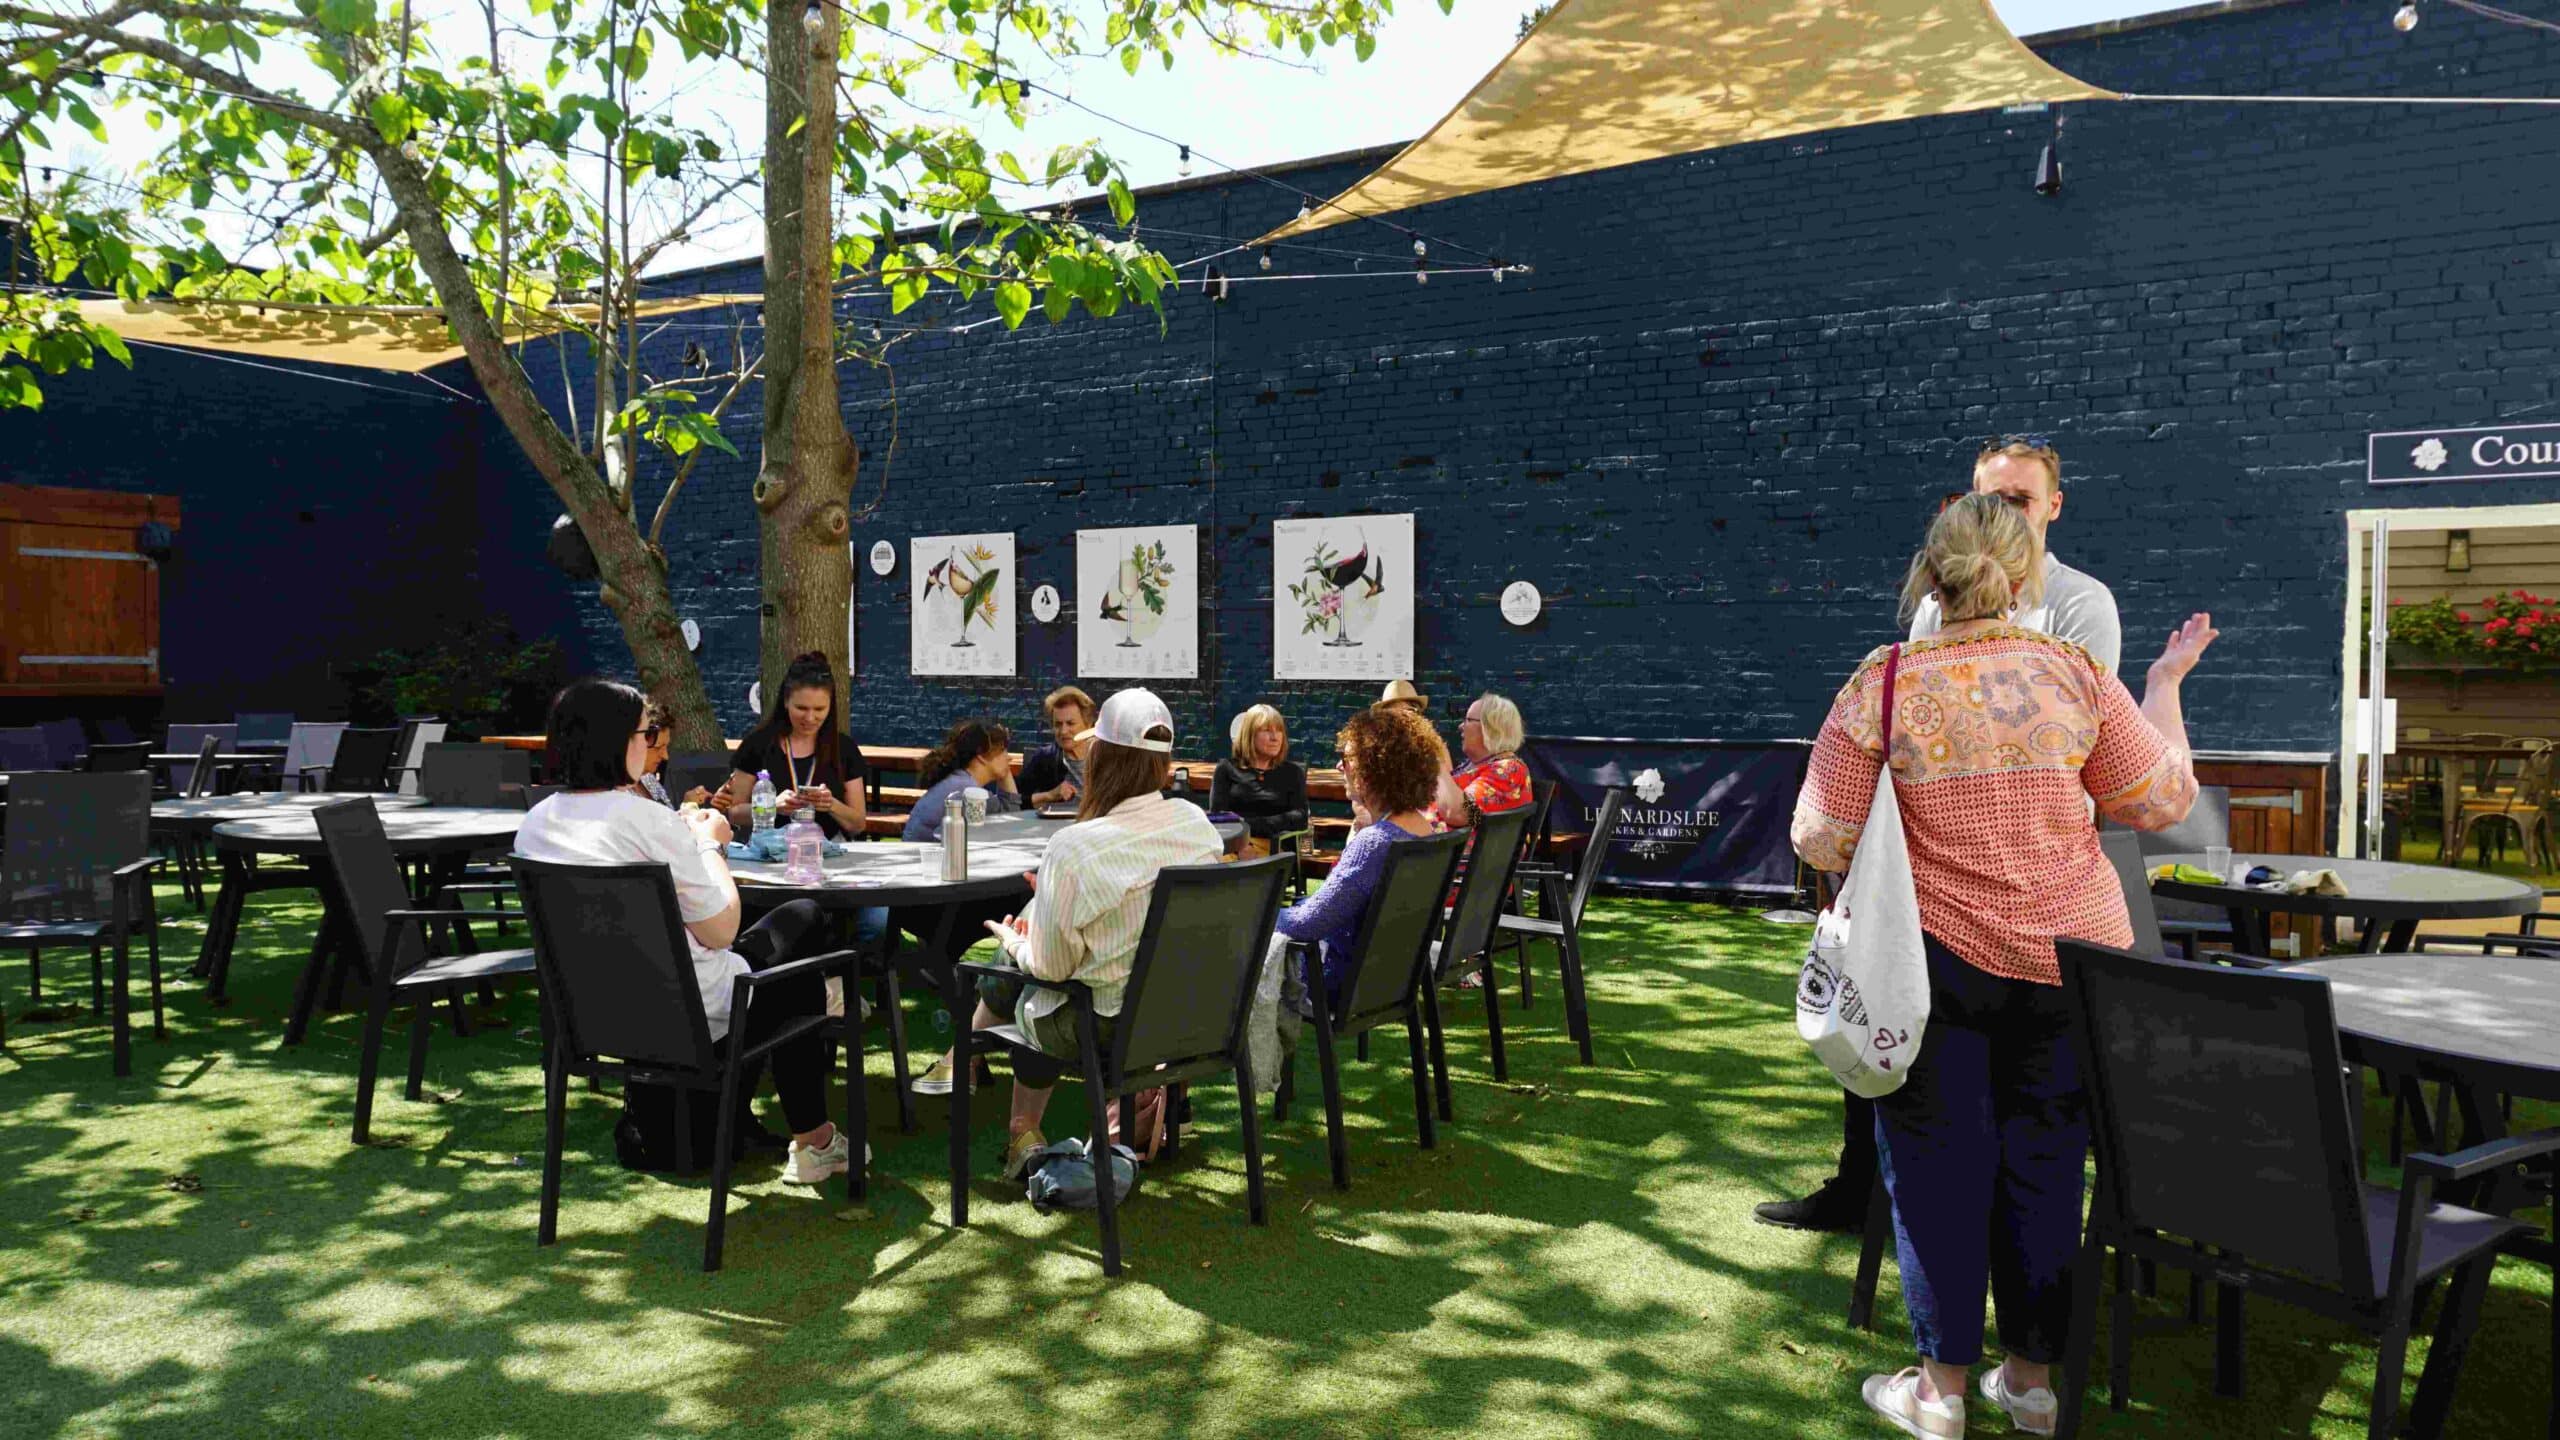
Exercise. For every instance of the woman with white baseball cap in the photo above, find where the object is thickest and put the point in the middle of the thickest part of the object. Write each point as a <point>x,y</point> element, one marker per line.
<point>1095,882</point>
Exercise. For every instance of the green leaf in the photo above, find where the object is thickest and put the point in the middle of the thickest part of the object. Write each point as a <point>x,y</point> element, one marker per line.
<point>1057,302</point>
<point>345,16</point>
<point>1124,206</point>
<point>1129,58</point>
<point>1013,302</point>
<point>1364,46</point>
<point>393,116</point>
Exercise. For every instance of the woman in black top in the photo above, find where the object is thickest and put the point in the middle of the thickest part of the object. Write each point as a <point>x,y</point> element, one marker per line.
<point>802,746</point>
<point>1259,781</point>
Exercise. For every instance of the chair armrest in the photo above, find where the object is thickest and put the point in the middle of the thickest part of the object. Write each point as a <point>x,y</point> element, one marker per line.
<point>143,866</point>
<point>1075,990</point>
<point>2481,1159</point>
<point>834,962</point>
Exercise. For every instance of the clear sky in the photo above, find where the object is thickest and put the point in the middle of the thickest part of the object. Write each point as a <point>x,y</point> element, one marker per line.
<point>1232,112</point>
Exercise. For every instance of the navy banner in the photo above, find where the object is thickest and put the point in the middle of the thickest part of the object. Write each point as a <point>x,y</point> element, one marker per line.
<point>1704,815</point>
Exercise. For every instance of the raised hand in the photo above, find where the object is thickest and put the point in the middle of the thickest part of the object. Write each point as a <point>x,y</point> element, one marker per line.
<point>2186,646</point>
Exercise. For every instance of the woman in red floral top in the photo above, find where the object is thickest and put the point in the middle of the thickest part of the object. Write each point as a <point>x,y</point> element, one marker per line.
<point>2001,739</point>
<point>1494,778</point>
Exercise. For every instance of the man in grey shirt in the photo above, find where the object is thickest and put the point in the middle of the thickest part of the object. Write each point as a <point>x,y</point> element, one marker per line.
<point>2075,608</point>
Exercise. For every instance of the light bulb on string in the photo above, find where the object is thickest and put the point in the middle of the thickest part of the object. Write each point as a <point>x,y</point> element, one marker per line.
<point>1421,273</point>
<point>1184,168</point>
<point>813,18</point>
<point>1266,257</point>
<point>1420,249</point>
<point>2405,19</point>
<point>1499,271</point>
<point>1306,212</point>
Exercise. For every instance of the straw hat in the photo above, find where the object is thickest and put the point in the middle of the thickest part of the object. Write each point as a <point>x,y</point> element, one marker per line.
<point>1401,692</point>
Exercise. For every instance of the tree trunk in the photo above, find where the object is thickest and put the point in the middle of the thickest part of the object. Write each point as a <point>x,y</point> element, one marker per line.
<point>806,480</point>
<point>635,580</point>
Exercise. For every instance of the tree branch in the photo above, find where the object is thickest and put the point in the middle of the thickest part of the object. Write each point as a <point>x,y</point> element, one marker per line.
<point>152,48</point>
<point>666,502</point>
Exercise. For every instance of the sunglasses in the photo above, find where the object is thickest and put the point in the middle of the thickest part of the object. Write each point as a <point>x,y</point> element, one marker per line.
<point>649,734</point>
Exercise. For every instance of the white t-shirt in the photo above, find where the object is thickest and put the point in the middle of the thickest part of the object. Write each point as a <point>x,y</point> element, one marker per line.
<point>616,827</point>
<point>2076,608</point>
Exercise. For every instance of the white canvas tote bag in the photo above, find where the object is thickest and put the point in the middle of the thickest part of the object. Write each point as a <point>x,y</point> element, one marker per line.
<point>1862,998</point>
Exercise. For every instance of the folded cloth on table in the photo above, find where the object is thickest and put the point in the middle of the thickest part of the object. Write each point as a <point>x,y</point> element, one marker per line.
<point>2186,875</point>
<point>2316,882</point>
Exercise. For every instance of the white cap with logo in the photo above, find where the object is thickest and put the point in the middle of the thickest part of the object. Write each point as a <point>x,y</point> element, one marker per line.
<point>1128,716</point>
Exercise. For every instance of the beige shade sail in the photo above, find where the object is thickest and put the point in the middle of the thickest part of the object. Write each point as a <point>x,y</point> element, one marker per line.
<point>402,338</point>
<point>1611,82</point>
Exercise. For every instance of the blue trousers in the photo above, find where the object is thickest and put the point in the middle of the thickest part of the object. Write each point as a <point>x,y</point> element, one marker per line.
<point>1983,1149</point>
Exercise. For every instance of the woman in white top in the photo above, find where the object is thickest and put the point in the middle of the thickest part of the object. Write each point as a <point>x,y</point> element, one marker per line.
<point>1096,880</point>
<point>598,738</point>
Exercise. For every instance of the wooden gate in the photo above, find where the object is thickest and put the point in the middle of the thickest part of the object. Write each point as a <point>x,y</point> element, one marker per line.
<point>79,602</point>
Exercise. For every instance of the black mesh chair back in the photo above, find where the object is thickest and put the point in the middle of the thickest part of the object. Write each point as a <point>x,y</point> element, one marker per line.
<point>67,835</point>
<point>189,740</point>
<point>1542,818</point>
<point>705,768</point>
<point>312,745</point>
<point>2207,824</point>
<point>2187,1063</point>
<point>515,767</point>
<point>463,773</point>
<point>114,759</point>
<point>416,734</point>
<point>200,772</point>
<point>1487,879</point>
<point>2124,852</point>
<point>616,970</point>
<point>264,731</point>
<point>363,763</point>
<point>1191,982</point>
<point>64,743</point>
<point>366,872</point>
<point>1595,849</point>
<point>116,730</point>
<point>24,749</point>
<point>1403,920</point>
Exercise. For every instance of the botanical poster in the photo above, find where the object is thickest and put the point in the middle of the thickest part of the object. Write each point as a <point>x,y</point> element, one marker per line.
<point>963,617</point>
<point>1342,598</point>
<point>1138,603</point>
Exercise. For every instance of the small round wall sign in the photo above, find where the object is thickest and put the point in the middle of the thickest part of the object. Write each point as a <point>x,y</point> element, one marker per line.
<point>884,557</point>
<point>692,636</point>
<point>1044,604</point>
<point>755,698</point>
<point>1520,602</point>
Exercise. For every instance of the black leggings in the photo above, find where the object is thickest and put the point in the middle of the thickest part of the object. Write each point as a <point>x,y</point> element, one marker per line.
<point>799,1065</point>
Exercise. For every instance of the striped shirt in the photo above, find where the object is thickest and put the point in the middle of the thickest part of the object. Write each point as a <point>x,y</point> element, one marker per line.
<point>1096,881</point>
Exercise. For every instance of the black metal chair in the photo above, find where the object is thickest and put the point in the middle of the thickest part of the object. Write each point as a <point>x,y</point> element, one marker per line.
<point>396,944</point>
<point>1564,926</point>
<point>186,778</point>
<point>1467,941</point>
<point>1386,981</point>
<point>116,730</point>
<point>620,997</point>
<point>409,757</point>
<point>460,772</point>
<point>360,766</point>
<point>704,768</point>
<point>1182,1014</point>
<point>2185,923</point>
<point>1531,869</point>
<point>65,743</point>
<point>2268,1196</point>
<point>261,731</point>
<point>75,868</point>
<point>106,759</point>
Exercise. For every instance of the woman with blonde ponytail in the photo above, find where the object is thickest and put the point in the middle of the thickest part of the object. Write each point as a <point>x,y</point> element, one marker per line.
<point>2000,739</point>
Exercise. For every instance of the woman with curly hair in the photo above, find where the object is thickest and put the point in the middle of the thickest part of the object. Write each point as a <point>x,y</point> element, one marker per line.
<point>974,753</point>
<point>1392,761</point>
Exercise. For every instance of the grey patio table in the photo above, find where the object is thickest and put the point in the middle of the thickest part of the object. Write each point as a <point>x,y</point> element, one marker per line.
<point>446,834</point>
<point>2388,898</point>
<point>1002,851</point>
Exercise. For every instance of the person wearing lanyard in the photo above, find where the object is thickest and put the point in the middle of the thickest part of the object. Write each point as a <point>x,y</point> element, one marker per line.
<point>802,747</point>
<point>2026,472</point>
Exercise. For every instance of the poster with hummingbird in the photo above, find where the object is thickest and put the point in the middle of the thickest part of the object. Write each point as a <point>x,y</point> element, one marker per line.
<point>1138,602</point>
<point>962,620</point>
<point>1342,598</point>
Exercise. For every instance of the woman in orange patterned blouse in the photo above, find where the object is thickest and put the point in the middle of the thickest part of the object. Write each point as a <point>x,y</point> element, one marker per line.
<point>2001,739</point>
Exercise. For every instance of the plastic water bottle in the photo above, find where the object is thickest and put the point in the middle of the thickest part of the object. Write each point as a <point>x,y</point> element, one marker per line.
<point>802,863</point>
<point>761,802</point>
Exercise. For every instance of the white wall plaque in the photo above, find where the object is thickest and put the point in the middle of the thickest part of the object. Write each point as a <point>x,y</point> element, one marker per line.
<point>884,557</point>
<point>1521,602</point>
<point>692,635</point>
<point>1044,604</point>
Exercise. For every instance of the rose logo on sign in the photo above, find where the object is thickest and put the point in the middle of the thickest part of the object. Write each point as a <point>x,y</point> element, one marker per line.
<point>1649,787</point>
<point>2429,455</point>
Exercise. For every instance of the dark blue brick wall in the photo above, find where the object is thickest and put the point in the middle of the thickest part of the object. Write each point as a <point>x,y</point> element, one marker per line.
<point>1712,424</point>
<point>321,522</point>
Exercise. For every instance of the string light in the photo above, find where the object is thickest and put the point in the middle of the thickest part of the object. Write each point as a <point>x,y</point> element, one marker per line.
<point>1266,257</point>
<point>1184,169</point>
<point>1420,249</point>
<point>812,19</point>
<point>2405,19</point>
<point>1306,212</point>
<point>1421,273</point>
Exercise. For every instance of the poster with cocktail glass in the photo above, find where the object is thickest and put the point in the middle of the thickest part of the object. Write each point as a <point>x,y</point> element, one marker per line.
<point>1342,598</point>
<point>1138,603</point>
<point>962,621</point>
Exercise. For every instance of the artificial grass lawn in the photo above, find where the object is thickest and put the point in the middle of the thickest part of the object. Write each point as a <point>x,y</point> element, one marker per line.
<point>1577,1258</point>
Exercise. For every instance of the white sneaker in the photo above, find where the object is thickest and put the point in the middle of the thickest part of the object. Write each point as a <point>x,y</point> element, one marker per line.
<point>2036,1412</point>
<point>1897,1398</point>
<point>814,1165</point>
<point>935,1080</point>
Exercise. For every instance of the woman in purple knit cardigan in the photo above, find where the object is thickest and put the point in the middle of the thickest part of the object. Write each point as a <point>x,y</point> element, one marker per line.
<point>1392,761</point>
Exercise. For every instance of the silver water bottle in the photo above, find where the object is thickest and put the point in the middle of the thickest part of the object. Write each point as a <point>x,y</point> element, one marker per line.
<point>955,840</point>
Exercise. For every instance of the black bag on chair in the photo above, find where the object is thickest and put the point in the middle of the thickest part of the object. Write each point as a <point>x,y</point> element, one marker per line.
<point>646,1137</point>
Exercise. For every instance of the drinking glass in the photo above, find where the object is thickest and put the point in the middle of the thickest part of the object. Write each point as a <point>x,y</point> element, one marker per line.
<point>2217,858</point>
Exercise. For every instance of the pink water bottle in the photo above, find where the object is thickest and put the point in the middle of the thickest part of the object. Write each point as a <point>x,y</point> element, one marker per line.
<point>801,864</point>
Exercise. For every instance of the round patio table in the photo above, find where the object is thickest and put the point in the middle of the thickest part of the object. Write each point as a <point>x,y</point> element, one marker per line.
<point>189,823</point>
<point>445,834</point>
<point>1003,850</point>
<point>2388,899</point>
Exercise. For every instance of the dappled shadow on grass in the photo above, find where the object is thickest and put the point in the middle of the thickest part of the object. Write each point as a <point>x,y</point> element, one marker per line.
<point>197,1250</point>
